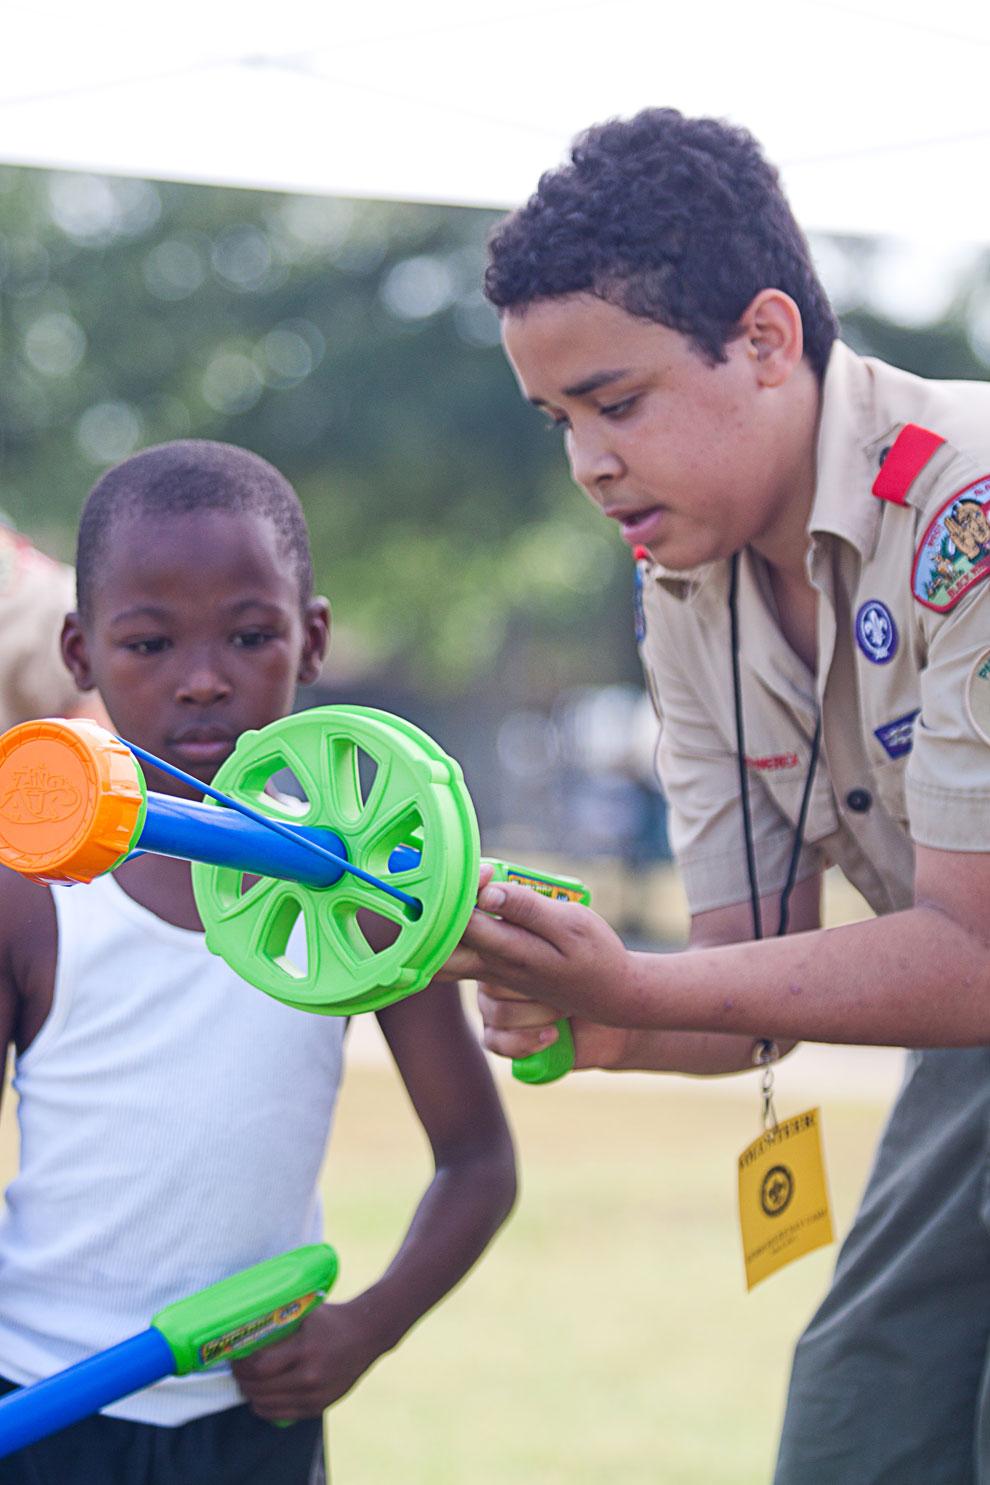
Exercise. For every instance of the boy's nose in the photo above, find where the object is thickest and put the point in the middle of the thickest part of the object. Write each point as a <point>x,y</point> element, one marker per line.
<point>203,686</point>
<point>593,466</point>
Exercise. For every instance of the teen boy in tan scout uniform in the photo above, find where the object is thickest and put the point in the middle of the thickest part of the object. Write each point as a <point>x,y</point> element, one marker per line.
<point>815,629</point>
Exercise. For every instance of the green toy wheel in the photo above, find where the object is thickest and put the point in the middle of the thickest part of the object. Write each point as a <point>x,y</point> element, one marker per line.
<point>379,783</point>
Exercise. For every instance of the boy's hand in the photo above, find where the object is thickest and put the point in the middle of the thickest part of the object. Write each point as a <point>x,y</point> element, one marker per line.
<point>308,1371</point>
<point>517,1027</point>
<point>556,952</point>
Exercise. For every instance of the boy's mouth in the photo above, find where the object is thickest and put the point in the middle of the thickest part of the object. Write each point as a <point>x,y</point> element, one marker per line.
<point>639,527</point>
<point>202,744</point>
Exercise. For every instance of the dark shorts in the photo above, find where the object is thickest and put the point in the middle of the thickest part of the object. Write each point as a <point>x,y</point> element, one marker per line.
<point>229,1448</point>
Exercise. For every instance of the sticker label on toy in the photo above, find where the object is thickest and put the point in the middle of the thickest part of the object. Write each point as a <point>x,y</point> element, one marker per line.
<point>546,887</point>
<point>254,1332</point>
<point>783,1196</point>
<point>954,553</point>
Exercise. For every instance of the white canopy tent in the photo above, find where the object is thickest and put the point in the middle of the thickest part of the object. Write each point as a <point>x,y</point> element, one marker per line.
<point>876,111</point>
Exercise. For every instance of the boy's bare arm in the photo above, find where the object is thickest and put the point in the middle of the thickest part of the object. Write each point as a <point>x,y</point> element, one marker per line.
<point>28,948</point>
<point>470,1195</point>
<point>474,1181</point>
<point>515,1027</point>
<point>8,1001</point>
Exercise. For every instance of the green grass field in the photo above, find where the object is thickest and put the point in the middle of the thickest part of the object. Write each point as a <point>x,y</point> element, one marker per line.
<point>608,1333</point>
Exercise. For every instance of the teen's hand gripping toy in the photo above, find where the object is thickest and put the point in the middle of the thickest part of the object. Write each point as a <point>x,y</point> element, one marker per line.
<point>402,844</point>
<point>224,1322</point>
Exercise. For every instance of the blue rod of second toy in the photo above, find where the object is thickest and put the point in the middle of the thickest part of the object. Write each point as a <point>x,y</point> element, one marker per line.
<point>31,1413</point>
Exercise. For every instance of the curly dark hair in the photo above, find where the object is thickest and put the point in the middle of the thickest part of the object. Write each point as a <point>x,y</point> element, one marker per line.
<point>189,475</point>
<point>677,220</point>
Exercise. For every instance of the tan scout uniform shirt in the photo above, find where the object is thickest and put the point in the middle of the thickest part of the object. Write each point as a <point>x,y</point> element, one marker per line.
<point>874,792</point>
<point>35,595</point>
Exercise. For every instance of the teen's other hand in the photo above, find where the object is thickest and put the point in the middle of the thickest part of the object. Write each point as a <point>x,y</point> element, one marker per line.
<point>302,1375</point>
<point>517,1027</point>
<point>551,952</point>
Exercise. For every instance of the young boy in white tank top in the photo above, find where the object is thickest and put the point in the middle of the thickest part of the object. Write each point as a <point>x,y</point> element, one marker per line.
<point>173,1119</point>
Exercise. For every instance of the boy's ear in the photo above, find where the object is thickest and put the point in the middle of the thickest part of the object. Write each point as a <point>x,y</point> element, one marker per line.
<point>773,334</point>
<point>75,652</point>
<point>316,622</point>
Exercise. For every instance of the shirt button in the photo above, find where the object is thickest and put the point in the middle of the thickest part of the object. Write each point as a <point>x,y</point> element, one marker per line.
<point>859,800</point>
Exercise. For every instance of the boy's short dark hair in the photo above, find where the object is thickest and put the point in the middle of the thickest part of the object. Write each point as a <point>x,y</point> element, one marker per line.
<point>681,221</point>
<point>188,475</point>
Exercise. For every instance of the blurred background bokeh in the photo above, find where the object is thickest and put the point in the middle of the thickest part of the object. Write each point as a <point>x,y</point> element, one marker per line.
<point>349,343</point>
<point>476,593</point>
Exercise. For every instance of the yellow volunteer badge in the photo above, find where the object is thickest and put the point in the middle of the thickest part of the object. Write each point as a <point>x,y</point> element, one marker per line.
<point>978,696</point>
<point>783,1196</point>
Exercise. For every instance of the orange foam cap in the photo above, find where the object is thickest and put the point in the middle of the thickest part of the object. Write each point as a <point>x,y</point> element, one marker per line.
<point>72,799</point>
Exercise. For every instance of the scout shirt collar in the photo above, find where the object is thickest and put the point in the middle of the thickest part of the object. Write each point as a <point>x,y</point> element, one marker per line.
<point>852,433</point>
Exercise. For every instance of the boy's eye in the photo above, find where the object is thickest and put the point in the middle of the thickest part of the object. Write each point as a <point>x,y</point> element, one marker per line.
<point>616,409</point>
<point>147,646</point>
<point>251,639</point>
<point>555,422</point>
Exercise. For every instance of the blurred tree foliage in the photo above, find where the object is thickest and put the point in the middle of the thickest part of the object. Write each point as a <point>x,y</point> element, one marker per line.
<point>349,344</point>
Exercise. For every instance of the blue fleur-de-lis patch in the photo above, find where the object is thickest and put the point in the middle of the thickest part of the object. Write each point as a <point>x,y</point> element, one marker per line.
<point>876,632</point>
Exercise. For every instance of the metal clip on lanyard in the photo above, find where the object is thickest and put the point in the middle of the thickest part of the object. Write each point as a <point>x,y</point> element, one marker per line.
<point>766,1051</point>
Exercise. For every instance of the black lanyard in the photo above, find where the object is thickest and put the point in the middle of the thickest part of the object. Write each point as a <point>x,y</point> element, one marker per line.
<point>788,888</point>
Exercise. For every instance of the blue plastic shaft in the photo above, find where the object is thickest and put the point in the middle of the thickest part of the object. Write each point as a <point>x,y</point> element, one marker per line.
<point>34,1412</point>
<point>287,832</point>
<point>198,832</point>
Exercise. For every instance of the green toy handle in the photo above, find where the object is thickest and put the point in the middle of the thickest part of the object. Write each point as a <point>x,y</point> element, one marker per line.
<point>249,1310</point>
<point>549,1064</point>
<point>555,1061</point>
<point>227,1320</point>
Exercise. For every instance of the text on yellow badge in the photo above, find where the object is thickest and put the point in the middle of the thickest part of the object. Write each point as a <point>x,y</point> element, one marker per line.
<point>783,1196</point>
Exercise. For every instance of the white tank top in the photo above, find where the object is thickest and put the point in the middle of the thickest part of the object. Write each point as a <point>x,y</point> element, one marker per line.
<point>173,1121</point>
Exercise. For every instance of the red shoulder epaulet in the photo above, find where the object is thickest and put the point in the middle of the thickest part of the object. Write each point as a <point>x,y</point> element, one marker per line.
<point>904,461</point>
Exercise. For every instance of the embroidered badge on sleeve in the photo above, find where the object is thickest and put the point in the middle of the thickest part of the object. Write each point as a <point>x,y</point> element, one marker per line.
<point>954,553</point>
<point>876,632</point>
<point>897,737</point>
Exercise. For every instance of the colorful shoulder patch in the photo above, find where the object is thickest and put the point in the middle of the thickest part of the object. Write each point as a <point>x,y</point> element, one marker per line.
<point>954,553</point>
